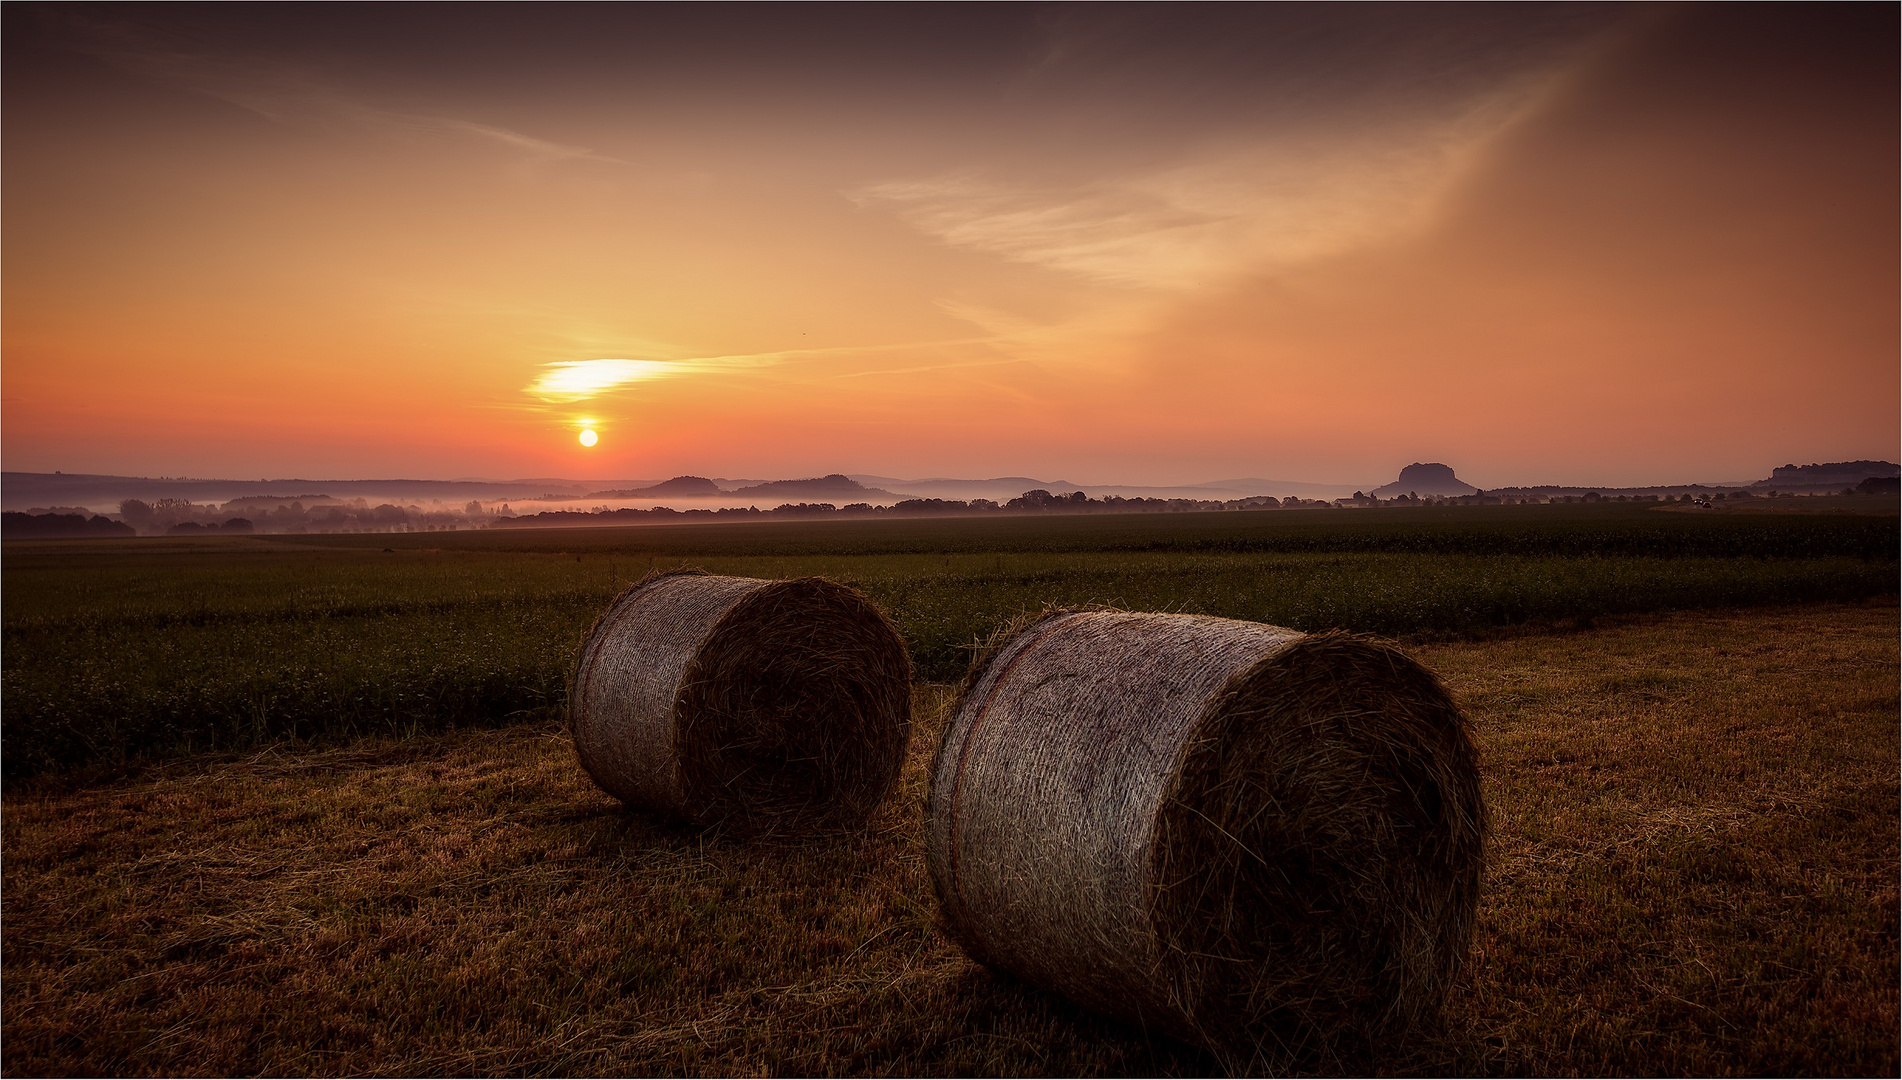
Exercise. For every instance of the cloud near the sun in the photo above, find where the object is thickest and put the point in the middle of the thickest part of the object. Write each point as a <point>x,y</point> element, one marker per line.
<point>565,381</point>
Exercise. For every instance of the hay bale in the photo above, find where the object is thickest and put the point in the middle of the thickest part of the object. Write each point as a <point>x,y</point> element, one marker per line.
<point>1262,841</point>
<point>760,705</point>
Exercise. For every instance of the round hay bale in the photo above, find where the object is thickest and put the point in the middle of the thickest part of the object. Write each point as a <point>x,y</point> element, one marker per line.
<point>760,705</point>
<point>1266,842</point>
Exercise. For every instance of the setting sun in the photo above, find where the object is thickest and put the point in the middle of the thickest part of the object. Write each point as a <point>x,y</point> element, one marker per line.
<point>588,437</point>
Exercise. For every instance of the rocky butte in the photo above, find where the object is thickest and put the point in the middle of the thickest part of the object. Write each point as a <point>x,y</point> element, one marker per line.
<point>691,486</point>
<point>1429,478</point>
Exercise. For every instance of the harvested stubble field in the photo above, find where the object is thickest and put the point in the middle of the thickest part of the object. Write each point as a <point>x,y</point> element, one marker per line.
<point>1694,871</point>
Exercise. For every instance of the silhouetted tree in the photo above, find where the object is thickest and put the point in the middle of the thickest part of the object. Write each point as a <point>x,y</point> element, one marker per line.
<point>136,513</point>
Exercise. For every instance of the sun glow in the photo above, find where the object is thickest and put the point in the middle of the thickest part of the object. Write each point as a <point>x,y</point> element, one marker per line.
<point>588,437</point>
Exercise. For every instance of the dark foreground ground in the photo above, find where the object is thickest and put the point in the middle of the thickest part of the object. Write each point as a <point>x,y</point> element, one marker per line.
<point>1695,872</point>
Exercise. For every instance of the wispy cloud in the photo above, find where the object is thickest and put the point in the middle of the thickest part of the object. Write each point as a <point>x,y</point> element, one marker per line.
<point>280,91</point>
<point>566,381</point>
<point>570,381</point>
<point>951,365</point>
<point>1121,234</point>
<point>1270,199</point>
<point>1177,227</point>
<point>515,139</point>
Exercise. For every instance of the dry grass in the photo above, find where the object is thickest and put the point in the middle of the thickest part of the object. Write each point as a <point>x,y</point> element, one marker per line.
<point>1694,871</point>
<point>1697,846</point>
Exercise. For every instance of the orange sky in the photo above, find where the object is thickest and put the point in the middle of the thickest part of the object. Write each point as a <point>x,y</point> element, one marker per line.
<point>1142,245</point>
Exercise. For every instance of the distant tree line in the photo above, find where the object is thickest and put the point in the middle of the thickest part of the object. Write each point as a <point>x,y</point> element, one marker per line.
<point>1036,501</point>
<point>1039,501</point>
<point>313,513</point>
<point>18,526</point>
<point>320,513</point>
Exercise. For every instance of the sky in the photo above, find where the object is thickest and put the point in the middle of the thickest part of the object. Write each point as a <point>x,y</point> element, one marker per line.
<point>1591,244</point>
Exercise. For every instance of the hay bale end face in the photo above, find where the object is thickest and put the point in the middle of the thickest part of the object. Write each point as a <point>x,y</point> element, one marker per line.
<point>764,706</point>
<point>1261,841</point>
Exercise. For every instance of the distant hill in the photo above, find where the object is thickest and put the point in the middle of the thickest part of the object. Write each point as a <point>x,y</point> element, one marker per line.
<point>1423,479</point>
<point>1834,474</point>
<point>683,486</point>
<point>832,488</point>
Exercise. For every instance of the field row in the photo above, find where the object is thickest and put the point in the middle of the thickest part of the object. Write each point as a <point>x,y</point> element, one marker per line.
<point>131,651</point>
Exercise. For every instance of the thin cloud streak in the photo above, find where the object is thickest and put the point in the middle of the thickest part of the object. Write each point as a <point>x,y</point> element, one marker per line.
<point>997,362</point>
<point>1269,200</point>
<point>515,139</point>
<point>568,381</point>
<point>279,92</point>
<point>571,381</point>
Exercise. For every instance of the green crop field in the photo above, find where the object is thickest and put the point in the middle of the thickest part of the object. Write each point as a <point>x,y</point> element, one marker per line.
<point>302,804</point>
<point>119,649</point>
